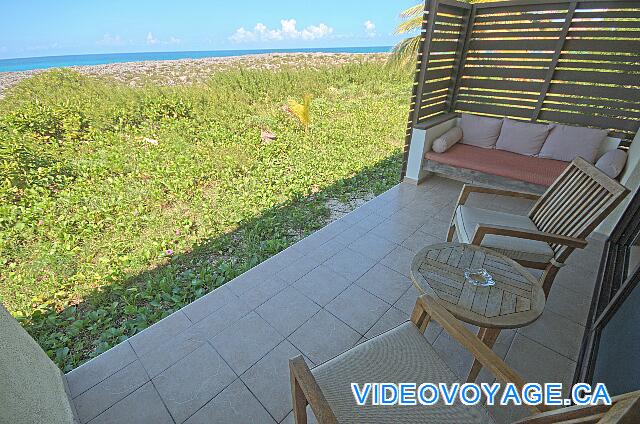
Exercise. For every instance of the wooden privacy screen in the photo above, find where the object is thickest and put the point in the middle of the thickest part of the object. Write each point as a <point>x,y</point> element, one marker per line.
<point>571,62</point>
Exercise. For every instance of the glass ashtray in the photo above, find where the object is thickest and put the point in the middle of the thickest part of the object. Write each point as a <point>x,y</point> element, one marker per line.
<point>479,277</point>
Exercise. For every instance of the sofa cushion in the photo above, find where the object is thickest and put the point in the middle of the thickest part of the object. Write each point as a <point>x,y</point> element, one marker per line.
<point>524,138</point>
<point>446,140</point>
<point>612,162</point>
<point>480,131</point>
<point>499,162</point>
<point>467,218</point>
<point>567,143</point>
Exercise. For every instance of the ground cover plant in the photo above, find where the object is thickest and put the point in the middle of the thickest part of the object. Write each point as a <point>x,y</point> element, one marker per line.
<point>119,204</point>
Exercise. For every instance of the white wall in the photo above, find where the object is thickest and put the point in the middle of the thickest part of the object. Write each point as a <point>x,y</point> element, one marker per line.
<point>32,388</point>
<point>421,141</point>
<point>630,179</point>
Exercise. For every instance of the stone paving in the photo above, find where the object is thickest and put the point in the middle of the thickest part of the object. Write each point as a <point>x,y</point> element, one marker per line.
<point>223,358</point>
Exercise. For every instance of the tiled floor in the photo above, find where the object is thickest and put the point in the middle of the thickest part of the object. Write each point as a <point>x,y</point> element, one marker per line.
<point>223,358</point>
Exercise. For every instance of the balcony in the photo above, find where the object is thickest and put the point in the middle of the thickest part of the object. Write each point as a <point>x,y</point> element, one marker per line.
<point>224,357</point>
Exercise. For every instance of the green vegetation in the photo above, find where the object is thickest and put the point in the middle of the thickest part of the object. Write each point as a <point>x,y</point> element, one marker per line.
<point>119,205</point>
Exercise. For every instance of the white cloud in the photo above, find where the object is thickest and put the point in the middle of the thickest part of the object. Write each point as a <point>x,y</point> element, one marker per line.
<point>370,28</point>
<point>174,40</point>
<point>110,40</point>
<point>242,35</point>
<point>151,39</point>
<point>288,31</point>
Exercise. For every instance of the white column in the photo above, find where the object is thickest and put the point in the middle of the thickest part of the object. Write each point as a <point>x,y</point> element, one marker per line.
<point>421,141</point>
<point>417,149</point>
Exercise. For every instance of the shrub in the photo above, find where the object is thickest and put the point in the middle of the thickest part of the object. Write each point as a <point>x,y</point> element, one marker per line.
<point>101,239</point>
<point>164,107</point>
<point>60,123</point>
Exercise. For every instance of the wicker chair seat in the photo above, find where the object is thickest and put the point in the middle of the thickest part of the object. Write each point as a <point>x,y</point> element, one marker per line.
<point>401,355</point>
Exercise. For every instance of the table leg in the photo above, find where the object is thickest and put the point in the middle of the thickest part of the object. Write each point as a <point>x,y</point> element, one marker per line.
<point>488,337</point>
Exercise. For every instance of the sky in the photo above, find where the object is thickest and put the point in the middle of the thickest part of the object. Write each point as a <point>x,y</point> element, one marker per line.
<point>31,28</point>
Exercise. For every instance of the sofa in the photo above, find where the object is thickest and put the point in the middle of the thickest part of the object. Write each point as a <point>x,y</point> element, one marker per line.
<point>515,155</point>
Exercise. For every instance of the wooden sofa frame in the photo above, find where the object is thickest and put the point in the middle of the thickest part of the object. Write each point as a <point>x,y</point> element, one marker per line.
<point>438,126</point>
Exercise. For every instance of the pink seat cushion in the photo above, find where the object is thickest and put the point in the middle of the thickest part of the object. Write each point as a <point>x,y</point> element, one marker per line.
<point>502,163</point>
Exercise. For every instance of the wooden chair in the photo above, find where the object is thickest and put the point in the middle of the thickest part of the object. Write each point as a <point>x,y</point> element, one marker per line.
<point>559,222</point>
<point>625,409</point>
<point>403,354</point>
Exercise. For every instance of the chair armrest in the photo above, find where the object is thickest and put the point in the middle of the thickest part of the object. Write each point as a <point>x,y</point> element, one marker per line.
<point>482,230</point>
<point>503,372</point>
<point>301,375</point>
<point>468,189</point>
<point>591,413</point>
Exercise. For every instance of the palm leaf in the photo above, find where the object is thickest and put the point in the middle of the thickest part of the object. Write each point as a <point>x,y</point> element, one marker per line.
<point>412,11</point>
<point>302,111</point>
<point>410,25</point>
<point>406,51</point>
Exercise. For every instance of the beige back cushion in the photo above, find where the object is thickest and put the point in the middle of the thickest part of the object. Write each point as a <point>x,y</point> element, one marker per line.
<point>480,131</point>
<point>524,138</point>
<point>567,143</point>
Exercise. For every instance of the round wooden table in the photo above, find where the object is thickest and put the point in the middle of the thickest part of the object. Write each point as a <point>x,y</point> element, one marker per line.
<point>516,299</point>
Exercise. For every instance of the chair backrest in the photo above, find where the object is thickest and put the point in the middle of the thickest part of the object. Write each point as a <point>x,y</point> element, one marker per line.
<point>625,409</point>
<point>576,203</point>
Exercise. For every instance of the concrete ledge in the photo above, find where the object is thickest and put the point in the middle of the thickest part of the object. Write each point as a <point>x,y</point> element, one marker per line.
<point>475,177</point>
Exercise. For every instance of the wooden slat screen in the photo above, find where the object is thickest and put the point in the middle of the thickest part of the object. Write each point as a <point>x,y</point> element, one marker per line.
<point>444,27</point>
<point>570,62</point>
<point>597,78</point>
<point>443,53</point>
<point>416,89</point>
<point>510,52</point>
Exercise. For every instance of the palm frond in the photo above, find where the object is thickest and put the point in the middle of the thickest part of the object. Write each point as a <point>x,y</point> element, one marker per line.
<point>405,52</point>
<point>302,111</point>
<point>410,25</point>
<point>416,10</point>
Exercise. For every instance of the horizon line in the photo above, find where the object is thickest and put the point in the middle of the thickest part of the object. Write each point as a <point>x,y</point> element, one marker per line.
<point>291,49</point>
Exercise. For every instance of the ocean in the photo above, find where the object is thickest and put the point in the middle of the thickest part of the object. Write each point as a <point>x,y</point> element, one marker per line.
<point>25,64</point>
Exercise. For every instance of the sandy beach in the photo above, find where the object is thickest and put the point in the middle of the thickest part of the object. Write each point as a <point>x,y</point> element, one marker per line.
<point>189,71</point>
